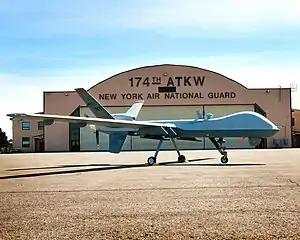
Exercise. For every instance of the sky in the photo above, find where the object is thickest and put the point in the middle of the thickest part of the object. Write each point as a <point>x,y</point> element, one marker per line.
<point>56,45</point>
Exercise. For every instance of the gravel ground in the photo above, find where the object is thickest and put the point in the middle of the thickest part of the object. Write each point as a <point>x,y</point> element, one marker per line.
<point>104,196</point>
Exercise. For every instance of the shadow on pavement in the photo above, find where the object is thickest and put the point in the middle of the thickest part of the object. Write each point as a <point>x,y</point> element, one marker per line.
<point>223,165</point>
<point>62,166</point>
<point>107,167</point>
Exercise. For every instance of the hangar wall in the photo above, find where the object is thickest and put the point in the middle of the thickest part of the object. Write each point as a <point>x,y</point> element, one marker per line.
<point>169,91</point>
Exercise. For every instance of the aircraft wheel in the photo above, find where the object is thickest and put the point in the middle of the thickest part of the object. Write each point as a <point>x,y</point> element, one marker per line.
<point>181,159</point>
<point>151,160</point>
<point>224,159</point>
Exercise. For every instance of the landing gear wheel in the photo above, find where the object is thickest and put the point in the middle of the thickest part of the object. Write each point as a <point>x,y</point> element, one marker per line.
<point>151,160</point>
<point>224,159</point>
<point>181,159</point>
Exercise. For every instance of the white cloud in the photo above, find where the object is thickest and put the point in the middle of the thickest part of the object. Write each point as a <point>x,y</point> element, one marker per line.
<point>17,98</point>
<point>221,17</point>
<point>216,14</point>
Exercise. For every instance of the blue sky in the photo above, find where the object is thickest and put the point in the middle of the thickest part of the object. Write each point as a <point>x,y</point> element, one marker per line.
<point>63,44</point>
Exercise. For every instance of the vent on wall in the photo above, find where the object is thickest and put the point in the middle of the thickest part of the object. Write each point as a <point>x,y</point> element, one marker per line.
<point>294,87</point>
<point>279,97</point>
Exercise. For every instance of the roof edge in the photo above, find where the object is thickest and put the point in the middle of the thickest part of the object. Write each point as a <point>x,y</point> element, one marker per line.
<point>165,65</point>
<point>59,91</point>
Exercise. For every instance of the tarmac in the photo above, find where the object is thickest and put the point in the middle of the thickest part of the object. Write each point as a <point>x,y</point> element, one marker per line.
<point>106,196</point>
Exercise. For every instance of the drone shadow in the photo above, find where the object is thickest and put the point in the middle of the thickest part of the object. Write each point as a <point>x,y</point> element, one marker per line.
<point>107,167</point>
<point>221,165</point>
<point>61,166</point>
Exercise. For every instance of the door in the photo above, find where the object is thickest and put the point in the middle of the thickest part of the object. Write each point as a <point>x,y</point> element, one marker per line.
<point>264,142</point>
<point>39,144</point>
<point>74,146</point>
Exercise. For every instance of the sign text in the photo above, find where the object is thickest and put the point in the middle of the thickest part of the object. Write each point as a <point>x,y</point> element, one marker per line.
<point>169,82</point>
<point>167,95</point>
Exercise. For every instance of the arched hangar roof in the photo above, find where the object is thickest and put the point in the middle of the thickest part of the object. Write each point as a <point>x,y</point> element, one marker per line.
<point>170,67</point>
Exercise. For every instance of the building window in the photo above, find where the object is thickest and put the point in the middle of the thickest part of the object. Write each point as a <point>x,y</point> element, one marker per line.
<point>25,125</point>
<point>293,122</point>
<point>25,142</point>
<point>40,125</point>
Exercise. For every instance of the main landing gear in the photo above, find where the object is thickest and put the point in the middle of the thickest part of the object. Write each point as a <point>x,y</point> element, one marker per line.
<point>152,160</point>
<point>219,145</point>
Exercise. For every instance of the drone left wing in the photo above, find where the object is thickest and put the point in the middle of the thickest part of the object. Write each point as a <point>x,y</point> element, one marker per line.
<point>95,121</point>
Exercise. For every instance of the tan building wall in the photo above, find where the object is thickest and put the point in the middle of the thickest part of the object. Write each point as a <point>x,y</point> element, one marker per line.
<point>63,103</point>
<point>27,135</point>
<point>202,87</point>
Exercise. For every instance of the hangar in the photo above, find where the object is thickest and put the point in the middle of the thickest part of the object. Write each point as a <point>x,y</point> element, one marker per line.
<point>170,92</point>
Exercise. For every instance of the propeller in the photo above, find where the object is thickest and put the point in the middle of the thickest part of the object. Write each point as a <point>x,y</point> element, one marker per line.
<point>97,138</point>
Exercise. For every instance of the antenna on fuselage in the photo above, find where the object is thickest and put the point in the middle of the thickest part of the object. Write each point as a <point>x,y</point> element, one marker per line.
<point>209,116</point>
<point>198,115</point>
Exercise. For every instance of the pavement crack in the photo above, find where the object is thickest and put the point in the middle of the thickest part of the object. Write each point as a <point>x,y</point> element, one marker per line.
<point>150,189</point>
<point>291,181</point>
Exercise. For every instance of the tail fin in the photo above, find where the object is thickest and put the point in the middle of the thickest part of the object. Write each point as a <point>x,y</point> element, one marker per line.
<point>98,110</point>
<point>134,110</point>
<point>116,142</point>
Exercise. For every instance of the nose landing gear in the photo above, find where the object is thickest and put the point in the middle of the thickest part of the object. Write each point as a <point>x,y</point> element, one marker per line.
<point>219,145</point>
